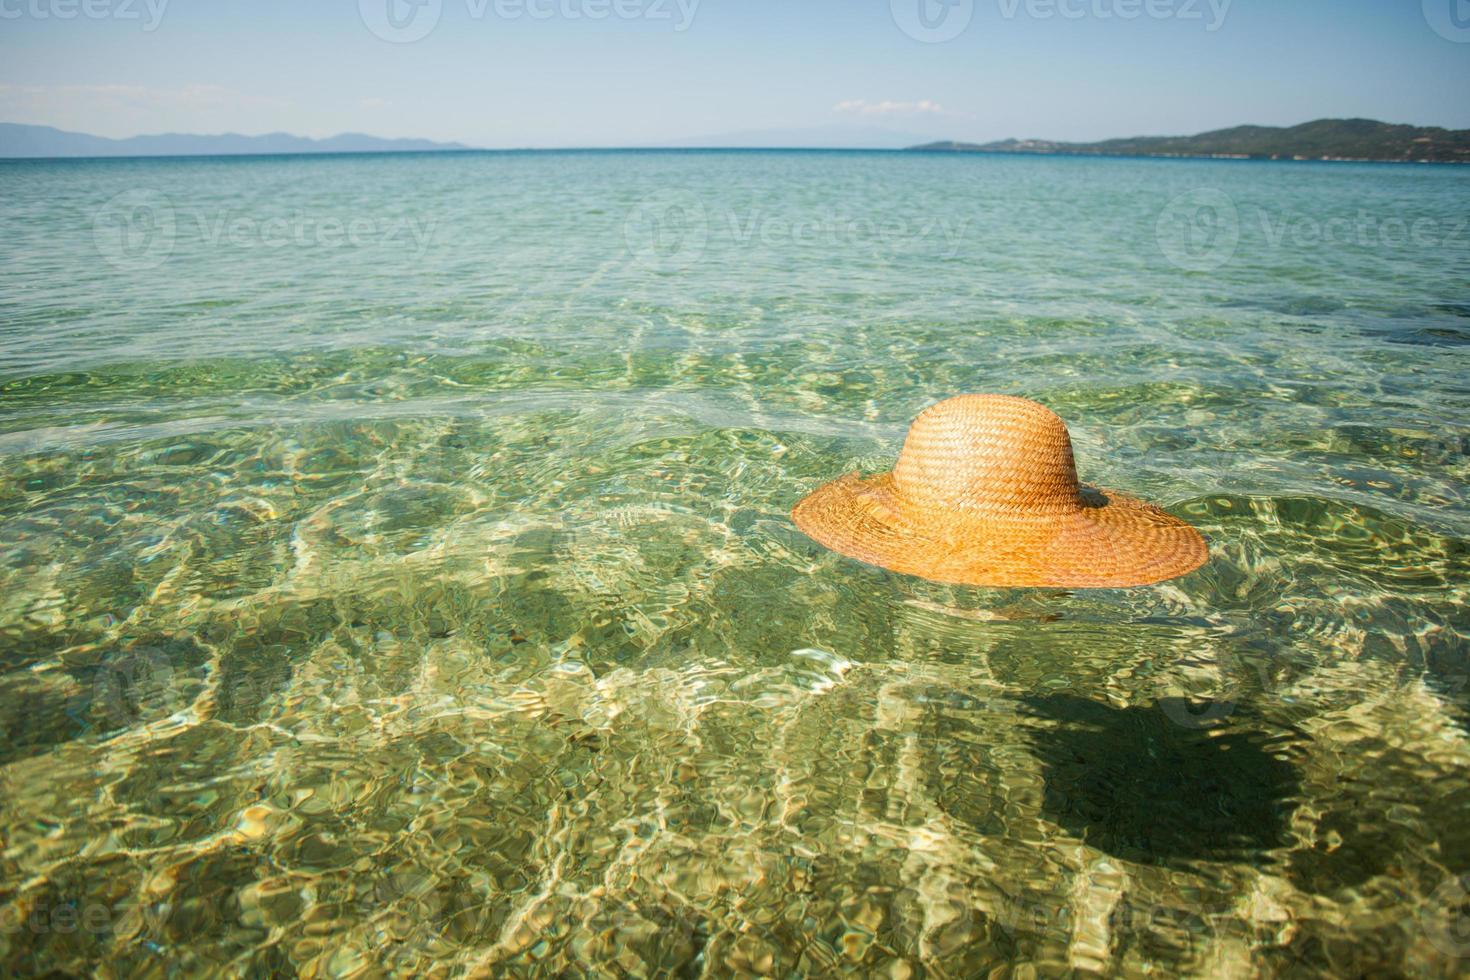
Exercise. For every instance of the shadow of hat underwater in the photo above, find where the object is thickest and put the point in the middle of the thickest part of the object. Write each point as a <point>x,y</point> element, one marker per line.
<point>1132,783</point>
<point>985,492</point>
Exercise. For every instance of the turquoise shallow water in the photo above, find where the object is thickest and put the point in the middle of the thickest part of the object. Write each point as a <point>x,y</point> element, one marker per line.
<point>396,575</point>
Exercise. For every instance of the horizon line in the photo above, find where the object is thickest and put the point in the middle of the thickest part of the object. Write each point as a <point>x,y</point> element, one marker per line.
<point>920,149</point>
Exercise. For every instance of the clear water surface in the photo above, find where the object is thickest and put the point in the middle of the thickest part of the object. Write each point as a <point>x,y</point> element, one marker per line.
<point>396,576</point>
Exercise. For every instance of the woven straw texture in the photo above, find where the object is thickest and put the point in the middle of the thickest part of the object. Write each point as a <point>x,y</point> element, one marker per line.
<point>985,492</point>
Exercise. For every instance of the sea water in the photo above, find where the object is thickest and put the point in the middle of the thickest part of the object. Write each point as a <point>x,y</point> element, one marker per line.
<point>396,571</point>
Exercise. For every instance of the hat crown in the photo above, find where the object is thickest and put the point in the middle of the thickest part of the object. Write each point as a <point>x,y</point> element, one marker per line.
<point>987,454</point>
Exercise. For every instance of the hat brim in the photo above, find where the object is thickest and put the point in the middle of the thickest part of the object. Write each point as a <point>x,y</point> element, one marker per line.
<point>1113,541</point>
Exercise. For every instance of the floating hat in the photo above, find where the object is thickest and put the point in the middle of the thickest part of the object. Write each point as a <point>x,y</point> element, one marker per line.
<point>985,493</point>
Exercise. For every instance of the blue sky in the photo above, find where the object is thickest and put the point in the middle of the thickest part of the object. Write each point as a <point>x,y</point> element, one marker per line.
<point>501,73</point>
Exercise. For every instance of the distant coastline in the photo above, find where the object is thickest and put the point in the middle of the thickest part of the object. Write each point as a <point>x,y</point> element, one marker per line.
<point>1341,140</point>
<point>21,142</point>
<point>1332,140</point>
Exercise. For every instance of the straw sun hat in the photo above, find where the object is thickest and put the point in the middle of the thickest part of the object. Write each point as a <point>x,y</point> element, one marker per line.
<point>985,493</point>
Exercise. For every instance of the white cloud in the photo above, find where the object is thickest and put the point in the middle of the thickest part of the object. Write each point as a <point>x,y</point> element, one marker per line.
<point>889,107</point>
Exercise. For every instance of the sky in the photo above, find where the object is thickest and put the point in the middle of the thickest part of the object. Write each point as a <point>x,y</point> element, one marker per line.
<point>555,73</point>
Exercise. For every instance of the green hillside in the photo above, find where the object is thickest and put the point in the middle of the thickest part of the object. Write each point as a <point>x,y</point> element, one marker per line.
<point>1323,139</point>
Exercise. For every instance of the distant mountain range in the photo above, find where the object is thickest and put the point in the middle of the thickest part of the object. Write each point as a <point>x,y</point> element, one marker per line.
<point>43,141</point>
<point>1323,139</point>
<point>17,140</point>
